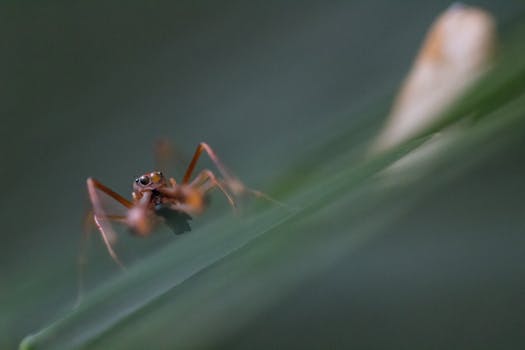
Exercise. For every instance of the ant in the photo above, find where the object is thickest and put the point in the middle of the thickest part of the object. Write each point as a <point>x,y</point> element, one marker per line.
<point>157,199</point>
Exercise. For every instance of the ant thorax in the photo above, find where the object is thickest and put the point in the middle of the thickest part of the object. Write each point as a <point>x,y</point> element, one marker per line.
<point>157,198</point>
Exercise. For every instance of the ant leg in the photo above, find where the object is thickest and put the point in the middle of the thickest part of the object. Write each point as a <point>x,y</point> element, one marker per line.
<point>95,184</point>
<point>82,259</point>
<point>206,180</point>
<point>205,147</point>
<point>107,242</point>
<point>100,217</point>
<point>167,157</point>
<point>230,181</point>
<point>263,195</point>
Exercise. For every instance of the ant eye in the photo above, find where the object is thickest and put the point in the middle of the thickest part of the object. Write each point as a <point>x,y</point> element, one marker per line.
<point>144,180</point>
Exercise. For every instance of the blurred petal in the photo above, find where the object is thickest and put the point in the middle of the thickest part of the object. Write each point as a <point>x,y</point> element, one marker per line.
<point>456,52</point>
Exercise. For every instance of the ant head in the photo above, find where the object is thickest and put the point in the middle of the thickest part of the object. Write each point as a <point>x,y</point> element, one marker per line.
<point>149,181</point>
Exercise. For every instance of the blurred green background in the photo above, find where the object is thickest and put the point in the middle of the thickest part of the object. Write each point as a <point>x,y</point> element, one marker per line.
<point>281,90</point>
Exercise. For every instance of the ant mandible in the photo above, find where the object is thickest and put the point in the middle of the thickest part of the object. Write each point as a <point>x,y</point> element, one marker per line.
<point>156,198</point>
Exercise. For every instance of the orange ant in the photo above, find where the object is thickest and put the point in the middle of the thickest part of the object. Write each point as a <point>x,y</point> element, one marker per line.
<point>157,199</point>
